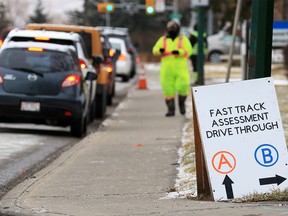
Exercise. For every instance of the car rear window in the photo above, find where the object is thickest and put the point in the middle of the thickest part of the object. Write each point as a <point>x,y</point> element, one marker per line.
<point>116,45</point>
<point>87,38</point>
<point>51,40</point>
<point>46,61</point>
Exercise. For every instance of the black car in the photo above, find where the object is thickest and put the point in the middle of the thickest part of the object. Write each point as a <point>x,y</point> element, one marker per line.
<point>42,83</point>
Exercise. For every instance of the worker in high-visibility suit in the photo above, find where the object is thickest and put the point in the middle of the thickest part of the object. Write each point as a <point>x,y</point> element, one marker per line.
<point>174,50</point>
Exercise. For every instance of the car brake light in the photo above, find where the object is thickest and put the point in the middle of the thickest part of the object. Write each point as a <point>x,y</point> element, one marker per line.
<point>111,52</point>
<point>35,49</point>
<point>1,79</point>
<point>109,68</point>
<point>82,64</point>
<point>43,38</point>
<point>71,80</point>
<point>122,57</point>
<point>68,113</point>
<point>138,59</point>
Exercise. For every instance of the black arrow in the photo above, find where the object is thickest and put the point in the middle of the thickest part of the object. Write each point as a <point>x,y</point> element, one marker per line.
<point>228,186</point>
<point>272,180</point>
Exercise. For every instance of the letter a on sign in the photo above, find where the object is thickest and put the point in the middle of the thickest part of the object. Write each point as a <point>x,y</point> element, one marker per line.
<point>223,160</point>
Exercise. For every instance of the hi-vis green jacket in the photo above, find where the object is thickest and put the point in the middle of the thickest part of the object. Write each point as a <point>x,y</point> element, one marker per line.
<point>180,43</point>
<point>174,72</point>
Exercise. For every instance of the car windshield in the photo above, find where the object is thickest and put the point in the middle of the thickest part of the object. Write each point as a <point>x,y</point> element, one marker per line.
<point>30,61</point>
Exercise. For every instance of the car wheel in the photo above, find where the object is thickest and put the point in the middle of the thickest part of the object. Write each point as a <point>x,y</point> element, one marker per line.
<point>79,127</point>
<point>215,57</point>
<point>92,111</point>
<point>101,102</point>
<point>110,95</point>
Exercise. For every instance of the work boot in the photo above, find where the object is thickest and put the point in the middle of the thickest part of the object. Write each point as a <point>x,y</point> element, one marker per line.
<point>181,102</point>
<point>171,107</point>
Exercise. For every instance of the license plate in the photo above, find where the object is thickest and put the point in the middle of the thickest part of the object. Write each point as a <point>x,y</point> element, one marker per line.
<point>30,106</point>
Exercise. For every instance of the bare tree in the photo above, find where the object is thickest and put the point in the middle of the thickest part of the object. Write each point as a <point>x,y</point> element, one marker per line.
<point>17,12</point>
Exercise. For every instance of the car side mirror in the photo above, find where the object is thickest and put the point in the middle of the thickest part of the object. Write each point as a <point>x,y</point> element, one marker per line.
<point>91,76</point>
<point>97,60</point>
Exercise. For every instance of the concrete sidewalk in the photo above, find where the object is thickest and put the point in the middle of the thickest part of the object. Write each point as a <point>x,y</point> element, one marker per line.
<point>124,168</point>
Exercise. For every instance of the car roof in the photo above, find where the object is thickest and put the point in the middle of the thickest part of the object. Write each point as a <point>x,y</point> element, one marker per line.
<point>64,27</point>
<point>43,33</point>
<point>56,47</point>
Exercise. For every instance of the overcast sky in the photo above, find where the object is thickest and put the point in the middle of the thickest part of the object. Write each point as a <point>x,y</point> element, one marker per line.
<point>54,8</point>
<point>58,7</point>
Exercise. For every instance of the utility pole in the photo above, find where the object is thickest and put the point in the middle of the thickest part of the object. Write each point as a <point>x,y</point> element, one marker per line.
<point>231,53</point>
<point>261,39</point>
<point>200,58</point>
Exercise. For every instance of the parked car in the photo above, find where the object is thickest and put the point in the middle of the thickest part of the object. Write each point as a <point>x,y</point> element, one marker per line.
<point>220,44</point>
<point>110,59</point>
<point>92,38</point>
<point>123,33</point>
<point>42,83</point>
<point>63,38</point>
<point>124,63</point>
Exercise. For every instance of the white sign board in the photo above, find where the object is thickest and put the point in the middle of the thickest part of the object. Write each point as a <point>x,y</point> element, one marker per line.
<point>197,3</point>
<point>242,137</point>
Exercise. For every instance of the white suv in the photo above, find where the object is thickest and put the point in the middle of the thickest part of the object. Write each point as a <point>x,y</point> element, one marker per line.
<point>63,38</point>
<point>124,63</point>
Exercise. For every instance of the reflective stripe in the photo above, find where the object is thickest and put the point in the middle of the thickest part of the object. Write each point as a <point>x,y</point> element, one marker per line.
<point>185,53</point>
<point>164,43</point>
<point>167,55</point>
<point>180,42</point>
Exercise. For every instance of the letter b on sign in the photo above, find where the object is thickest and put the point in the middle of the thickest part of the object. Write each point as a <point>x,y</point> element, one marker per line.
<point>266,155</point>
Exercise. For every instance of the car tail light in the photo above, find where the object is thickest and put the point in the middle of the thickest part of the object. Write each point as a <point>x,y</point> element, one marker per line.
<point>35,49</point>
<point>43,38</point>
<point>138,59</point>
<point>1,79</point>
<point>82,64</point>
<point>68,113</point>
<point>122,57</point>
<point>109,68</point>
<point>111,52</point>
<point>71,80</point>
<point>1,42</point>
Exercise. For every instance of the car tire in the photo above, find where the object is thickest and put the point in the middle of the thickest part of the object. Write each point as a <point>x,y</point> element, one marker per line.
<point>79,127</point>
<point>92,111</point>
<point>111,95</point>
<point>101,103</point>
<point>214,57</point>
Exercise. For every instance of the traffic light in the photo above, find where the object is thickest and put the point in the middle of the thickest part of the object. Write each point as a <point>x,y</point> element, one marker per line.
<point>105,7</point>
<point>150,7</point>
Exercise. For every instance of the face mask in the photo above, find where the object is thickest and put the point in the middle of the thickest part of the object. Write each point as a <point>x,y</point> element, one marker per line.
<point>173,33</point>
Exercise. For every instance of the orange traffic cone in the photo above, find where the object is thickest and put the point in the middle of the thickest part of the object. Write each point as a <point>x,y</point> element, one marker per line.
<point>142,83</point>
